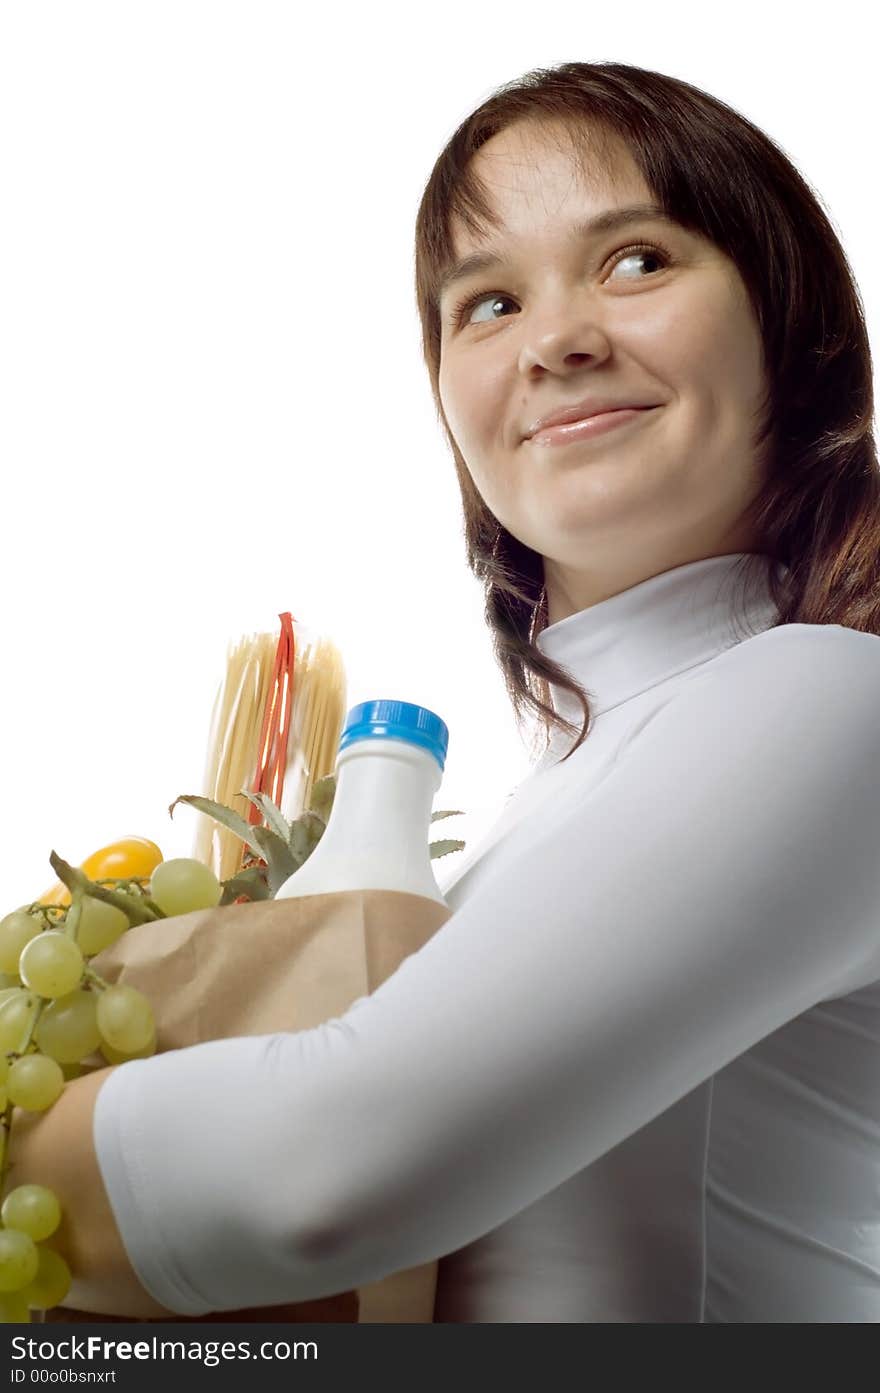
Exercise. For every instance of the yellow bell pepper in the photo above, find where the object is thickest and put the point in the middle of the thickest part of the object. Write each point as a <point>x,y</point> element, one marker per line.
<point>131,858</point>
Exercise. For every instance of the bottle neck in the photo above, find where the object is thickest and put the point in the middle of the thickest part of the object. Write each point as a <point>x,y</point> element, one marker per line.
<point>384,794</point>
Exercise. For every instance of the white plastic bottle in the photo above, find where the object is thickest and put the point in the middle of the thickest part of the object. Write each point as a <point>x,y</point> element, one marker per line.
<point>388,770</point>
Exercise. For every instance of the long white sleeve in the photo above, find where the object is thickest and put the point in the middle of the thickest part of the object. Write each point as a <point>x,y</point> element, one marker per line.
<point>722,878</point>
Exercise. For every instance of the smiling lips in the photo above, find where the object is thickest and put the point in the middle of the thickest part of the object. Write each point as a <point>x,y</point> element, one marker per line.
<point>593,405</point>
<point>587,427</point>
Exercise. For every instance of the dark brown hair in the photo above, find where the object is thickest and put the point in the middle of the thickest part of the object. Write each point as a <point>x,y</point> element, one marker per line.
<point>818,511</point>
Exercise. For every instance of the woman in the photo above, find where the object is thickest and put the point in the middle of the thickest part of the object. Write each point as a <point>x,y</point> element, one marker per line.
<point>635,1076</point>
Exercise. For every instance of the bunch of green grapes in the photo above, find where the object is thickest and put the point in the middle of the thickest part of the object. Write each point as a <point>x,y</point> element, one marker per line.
<point>55,1011</point>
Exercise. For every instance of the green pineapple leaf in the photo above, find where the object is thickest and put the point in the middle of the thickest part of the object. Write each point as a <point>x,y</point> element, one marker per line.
<point>280,860</point>
<point>305,833</point>
<point>447,812</point>
<point>277,873</point>
<point>300,845</point>
<point>273,815</point>
<point>251,882</point>
<point>443,848</point>
<point>323,793</point>
<point>227,816</point>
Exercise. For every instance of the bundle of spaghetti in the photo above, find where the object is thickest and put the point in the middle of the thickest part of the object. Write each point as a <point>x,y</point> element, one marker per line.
<point>275,728</point>
<point>317,718</point>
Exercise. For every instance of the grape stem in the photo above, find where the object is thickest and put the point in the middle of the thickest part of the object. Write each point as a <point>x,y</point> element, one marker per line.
<point>139,893</point>
<point>93,976</point>
<point>139,912</point>
<point>74,914</point>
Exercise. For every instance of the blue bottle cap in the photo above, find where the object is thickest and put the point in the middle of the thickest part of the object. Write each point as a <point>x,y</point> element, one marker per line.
<point>396,720</point>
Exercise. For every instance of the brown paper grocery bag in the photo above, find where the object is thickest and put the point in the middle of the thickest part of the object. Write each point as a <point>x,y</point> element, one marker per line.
<point>251,969</point>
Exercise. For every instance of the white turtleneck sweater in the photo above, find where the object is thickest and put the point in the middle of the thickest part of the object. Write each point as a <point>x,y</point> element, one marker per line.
<point>636,1074</point>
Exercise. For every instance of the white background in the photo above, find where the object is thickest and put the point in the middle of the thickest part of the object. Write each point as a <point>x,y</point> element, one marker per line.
<point>212,401</point>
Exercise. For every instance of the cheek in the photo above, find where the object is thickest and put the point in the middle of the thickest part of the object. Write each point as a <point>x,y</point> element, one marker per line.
<point>470,407</point>
<point>453,396</point>
<point>714,346</point>
<point>474,417</point>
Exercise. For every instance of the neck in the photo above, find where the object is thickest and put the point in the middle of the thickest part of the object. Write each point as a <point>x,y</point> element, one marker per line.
<point>678,619</point>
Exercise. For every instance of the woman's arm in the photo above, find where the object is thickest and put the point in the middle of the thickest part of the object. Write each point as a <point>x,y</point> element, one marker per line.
<point>56,1148</point>
<point>721,880</point>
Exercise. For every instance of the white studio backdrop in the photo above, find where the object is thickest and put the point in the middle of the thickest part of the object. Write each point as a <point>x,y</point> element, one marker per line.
<point>214,406</point>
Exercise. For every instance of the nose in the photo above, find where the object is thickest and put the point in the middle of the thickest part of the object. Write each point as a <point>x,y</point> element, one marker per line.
<point>562,341</point>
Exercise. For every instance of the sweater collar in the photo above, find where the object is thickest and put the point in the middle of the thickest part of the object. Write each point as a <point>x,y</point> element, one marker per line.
<point>677,620</point>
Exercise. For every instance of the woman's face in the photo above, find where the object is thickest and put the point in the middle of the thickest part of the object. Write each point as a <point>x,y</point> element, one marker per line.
<point>561,319</point>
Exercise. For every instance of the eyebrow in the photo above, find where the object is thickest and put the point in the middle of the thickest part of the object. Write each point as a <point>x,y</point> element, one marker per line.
<point>604,222</point>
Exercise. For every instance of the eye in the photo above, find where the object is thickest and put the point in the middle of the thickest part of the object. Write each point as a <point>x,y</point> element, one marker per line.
<point>648,253</point>
<point>461,311</point>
